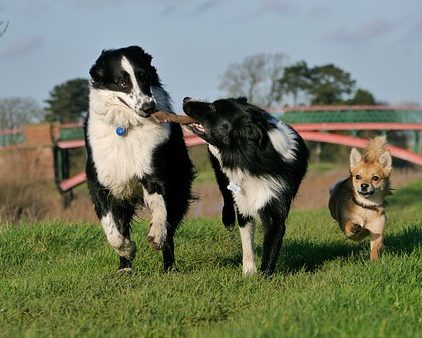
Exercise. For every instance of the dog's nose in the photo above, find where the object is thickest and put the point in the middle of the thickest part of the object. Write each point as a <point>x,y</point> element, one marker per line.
<point>186,99</point>
<point>364,186</point>
<point>148,107</point>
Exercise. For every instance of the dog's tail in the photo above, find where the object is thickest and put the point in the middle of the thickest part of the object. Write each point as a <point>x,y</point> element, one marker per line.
<point>376,147</point>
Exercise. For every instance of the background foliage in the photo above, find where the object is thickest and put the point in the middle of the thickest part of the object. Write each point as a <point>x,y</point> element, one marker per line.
<point>68,101</point>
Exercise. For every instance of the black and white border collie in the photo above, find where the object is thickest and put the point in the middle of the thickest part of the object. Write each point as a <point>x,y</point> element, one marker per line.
<point>133,159</point>
<point>259,163</point>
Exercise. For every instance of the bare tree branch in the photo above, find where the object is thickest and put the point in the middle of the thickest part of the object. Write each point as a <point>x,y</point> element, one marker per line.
<point>2,31</point>
<point>17,111</point>
<point>256,77</point>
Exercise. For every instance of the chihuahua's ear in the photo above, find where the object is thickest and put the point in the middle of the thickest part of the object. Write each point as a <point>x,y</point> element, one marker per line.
<point>355,157</point>
<point>386,160</point>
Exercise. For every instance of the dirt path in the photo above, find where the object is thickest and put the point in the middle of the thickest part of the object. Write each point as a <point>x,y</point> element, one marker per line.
<point>313,193</point>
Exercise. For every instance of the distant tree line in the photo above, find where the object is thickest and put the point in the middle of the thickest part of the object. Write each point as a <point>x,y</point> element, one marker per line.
<point>265,80</point>
<point>68,102</point>
<point>17,111</point>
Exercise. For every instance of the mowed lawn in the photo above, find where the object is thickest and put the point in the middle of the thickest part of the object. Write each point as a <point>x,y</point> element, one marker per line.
<point>59,279</point>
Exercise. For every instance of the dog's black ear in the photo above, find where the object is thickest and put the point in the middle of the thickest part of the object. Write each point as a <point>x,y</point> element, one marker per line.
<point>256,134</point>
<point>242,99</point>
<point>97,72</point>
<point>136,50</point>
<point>148,57</point>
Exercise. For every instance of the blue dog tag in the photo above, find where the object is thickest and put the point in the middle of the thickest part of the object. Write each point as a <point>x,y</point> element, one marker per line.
<point>121,131</point>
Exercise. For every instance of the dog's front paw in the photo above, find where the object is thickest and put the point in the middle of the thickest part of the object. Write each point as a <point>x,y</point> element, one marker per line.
<point>156,242</point>
<point>356,232</point>
<point>156,237</point>
<point>356,228</point>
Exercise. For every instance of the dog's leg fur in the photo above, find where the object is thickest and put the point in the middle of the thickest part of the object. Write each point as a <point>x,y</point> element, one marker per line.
<point>273,219</point>
<point>154,200</point>
<point>354,231</point>
<point>165,218</point>
<point>174,217</point>
<point>376,245</point>
<point>168,251</point>
<point>247,235</point>
<point>118,235</point>
<point>115,217</point>
<point>228,214</point>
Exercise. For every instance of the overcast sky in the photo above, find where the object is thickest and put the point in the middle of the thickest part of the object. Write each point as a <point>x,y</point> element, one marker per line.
<point>193,41</point>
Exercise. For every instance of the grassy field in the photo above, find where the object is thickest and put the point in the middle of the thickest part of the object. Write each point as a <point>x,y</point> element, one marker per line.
<point>60,280</point>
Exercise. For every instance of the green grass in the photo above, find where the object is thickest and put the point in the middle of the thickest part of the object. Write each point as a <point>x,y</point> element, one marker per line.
<point>60,280</point>
<point>322,167</point>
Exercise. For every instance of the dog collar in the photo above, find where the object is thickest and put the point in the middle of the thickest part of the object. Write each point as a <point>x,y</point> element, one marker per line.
<point>121,131</point>
<point>375,207</point>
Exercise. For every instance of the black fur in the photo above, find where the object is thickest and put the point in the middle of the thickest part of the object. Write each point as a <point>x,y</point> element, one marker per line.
<point>240,132</point>
<point>171,171</point>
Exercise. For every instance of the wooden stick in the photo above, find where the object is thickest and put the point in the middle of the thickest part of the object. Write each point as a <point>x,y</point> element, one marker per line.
<point>162,116</point>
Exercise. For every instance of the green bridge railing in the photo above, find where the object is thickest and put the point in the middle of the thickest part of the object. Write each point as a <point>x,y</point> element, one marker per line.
<point>351,114</point>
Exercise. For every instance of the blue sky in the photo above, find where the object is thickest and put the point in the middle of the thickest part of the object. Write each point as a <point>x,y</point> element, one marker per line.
<point>193,42</point>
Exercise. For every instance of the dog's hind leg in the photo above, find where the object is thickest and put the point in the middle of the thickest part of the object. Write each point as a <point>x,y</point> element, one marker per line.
<point>168,252</point>
<point>274,228</point>
<point>176,209</point>
<point>247,235</point>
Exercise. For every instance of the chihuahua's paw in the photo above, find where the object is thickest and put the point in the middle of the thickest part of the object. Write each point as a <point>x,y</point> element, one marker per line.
<point>356,228</point>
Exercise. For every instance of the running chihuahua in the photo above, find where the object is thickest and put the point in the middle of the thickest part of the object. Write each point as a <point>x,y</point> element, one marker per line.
<point>357,203</point>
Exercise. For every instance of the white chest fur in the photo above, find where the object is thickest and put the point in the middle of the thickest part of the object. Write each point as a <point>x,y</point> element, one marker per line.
<point>255,191</point>
<point>122,160</point>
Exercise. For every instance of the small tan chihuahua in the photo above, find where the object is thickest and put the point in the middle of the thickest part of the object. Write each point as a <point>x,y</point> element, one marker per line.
<point>357,203</point>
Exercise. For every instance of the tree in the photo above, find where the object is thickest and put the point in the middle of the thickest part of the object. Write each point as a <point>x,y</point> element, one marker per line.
<point>256,77</point>
<point>362,97</point>
<point>330,84</point>
<point>17,111</point>
<point>296,80</point>
<point>68,101</point>
<point>327,84</point>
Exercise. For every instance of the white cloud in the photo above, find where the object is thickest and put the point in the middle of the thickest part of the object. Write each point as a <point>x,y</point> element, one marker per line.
<point>371,30</point>
<point>23,46</point>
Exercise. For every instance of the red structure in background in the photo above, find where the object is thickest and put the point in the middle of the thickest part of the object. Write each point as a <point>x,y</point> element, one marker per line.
<point>309,131</point>
<point>351,141</point>
<point>315,123</point>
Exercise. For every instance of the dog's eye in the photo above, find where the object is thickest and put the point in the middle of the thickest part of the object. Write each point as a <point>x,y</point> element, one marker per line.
<point>358,177</point>
<point>224,126</point>
<point>124,83</point>
<point>375,178</point>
